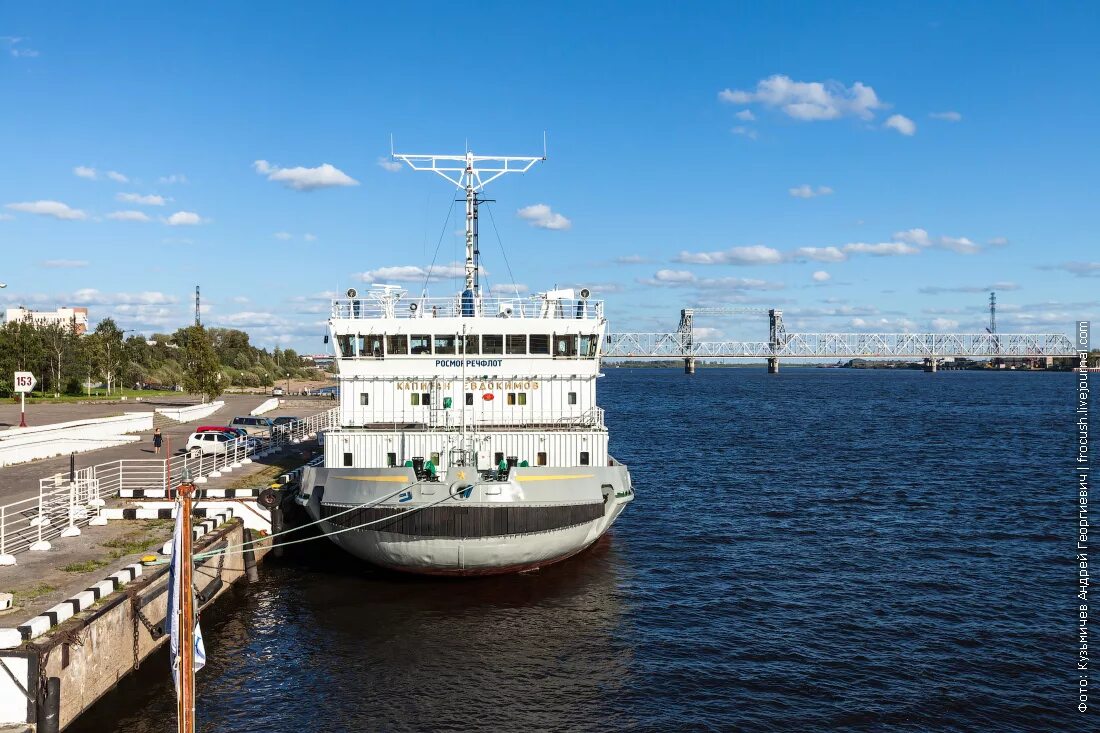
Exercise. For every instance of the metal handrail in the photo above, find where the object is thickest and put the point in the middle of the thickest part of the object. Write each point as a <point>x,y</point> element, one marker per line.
<point>63,503</point>
<point>492,307</point>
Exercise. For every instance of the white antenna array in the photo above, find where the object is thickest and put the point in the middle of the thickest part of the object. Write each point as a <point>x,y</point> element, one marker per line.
<point>471,173</point>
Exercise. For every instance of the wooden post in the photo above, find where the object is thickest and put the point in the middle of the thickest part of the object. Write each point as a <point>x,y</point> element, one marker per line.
<point>186,701</point>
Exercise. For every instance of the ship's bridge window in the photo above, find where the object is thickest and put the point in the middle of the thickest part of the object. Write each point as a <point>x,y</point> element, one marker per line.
<point>343,345</point>
<point>517,343</point>
<point>414,399</point>
<point>370,345</point>
<point>444,344</point>
<point>398,344</point>
<point>472,346</point>
<point>588,346</point>
<point>364,398</point>
<point>420,344</point>
<point>565,344</point>
<point>572,398</point>
<point>584,458</point>
<point>469,398</point>
<point>540,343</point>
<point>492,344</point>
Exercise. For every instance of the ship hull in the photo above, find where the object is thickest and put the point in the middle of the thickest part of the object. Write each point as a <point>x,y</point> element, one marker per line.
<point>457,527</point>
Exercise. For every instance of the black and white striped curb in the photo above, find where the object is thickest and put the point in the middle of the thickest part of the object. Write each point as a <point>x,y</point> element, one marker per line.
<point>166,512</point>
<point>199,493</point>
<point>40,624</point>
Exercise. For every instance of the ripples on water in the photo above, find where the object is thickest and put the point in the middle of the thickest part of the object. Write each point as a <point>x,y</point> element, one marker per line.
<point>822,550</point>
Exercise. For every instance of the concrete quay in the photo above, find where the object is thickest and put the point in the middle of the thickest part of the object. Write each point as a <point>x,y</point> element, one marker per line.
<point>77,607</point>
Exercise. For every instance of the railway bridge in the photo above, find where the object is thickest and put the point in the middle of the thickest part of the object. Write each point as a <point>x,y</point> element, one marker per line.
<point>781,344</point>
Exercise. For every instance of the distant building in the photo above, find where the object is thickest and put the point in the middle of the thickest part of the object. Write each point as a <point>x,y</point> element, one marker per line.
<point>77,317</point>
<point>319,360</point>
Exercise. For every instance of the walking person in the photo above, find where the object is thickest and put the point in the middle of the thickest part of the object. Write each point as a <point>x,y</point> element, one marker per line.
<point>157,439</point>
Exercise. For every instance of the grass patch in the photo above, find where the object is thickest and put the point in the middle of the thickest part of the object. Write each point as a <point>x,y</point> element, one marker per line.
<point>30,594</point>
<point>86,566</point>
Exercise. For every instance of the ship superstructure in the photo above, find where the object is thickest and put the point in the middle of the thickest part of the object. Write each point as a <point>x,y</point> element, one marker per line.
<point>470,439</point>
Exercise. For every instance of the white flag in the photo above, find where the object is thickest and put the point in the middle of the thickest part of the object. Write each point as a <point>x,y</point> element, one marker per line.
<point>174,596</point>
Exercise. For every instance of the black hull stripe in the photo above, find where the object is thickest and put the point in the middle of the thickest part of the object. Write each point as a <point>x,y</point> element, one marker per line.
<point>463,522</point>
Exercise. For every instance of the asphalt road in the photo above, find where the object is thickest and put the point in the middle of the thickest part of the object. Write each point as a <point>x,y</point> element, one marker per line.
<point>21,481</point>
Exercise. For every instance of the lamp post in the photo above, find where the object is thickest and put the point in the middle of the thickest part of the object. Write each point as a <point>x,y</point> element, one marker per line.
<point>288,384</point>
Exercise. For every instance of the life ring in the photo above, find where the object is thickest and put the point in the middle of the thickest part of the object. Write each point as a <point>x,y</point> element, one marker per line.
<point>488,396</point>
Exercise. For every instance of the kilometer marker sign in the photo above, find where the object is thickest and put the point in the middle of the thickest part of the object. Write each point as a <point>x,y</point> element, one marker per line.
<point>24,382</point>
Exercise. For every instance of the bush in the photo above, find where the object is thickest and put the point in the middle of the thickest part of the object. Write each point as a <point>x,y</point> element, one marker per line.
<point>73,387</point>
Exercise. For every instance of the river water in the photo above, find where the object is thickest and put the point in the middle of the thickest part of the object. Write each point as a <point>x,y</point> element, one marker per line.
<point>815,551</point>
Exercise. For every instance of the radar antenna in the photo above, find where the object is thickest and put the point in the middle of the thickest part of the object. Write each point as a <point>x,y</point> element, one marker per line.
<point>471,173</point>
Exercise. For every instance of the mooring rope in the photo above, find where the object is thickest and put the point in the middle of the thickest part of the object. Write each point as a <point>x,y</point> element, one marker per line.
<point>245,546</point>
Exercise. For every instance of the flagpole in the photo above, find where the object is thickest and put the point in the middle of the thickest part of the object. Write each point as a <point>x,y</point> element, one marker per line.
<point>186,698</point>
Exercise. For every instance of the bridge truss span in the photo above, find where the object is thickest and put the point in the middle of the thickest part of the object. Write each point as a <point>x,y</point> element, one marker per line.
<point>680,344</point>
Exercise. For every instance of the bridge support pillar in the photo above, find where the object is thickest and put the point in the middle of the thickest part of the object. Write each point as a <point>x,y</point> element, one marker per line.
<point>773,365</point>
<point>689,365</point>
<point>930,365</point>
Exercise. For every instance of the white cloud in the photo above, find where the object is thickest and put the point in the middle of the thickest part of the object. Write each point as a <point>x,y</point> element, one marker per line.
<point>183,218</point>
<point>962,245</point>
<point>809,100</point>
<point>885,325</point>
<point>128,216</point>
<point>998,242</point>
<point>674,276</point>
<point>754,255</point>
<point>56,209</point>
<point>91,296</point>
<point>944,324</point>
<point>821,254</point>
<point>413,273</point>
<point>305,179</point>
<point>631,260</point>
<point>117,177</point>
<point>821,276</point>
<point>806,191</point>
<point>685,278</point>
<point>901,123</point>
<point>64,264</point>
<point>284,236</point>
<point>918,237</point>
<point>881,249</point>
<point>947,116</point>
<point>15,49</point>
<point>5,217</point>
<point>136,198</point>
<point>82,171</point>
<point>938,289</point>
<point>309,237</point>
<point>745,131</point>
<point>745,115</point>
<point>389,165</point>
<point>1080,269</point>
<point>173,178</point>
<point>541,216</point>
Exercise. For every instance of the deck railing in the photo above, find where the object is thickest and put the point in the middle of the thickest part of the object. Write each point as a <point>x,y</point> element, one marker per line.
<point>494,307</point>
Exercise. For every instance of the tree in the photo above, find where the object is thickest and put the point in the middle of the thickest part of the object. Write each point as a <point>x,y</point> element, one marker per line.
<point>107,349</point>
<point>201,370</point>
<point>60,339</point>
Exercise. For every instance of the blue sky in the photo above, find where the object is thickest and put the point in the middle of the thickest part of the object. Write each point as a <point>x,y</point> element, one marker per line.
<point>863,167</point>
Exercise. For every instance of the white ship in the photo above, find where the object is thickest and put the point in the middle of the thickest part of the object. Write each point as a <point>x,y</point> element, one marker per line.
<point>470,441</point>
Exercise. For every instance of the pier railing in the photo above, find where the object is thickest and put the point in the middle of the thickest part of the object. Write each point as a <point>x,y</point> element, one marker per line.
<point>67,502</point>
